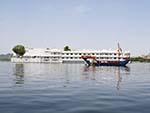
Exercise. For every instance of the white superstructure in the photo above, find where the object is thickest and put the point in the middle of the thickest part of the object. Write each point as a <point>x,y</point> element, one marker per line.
<point>58,55</point>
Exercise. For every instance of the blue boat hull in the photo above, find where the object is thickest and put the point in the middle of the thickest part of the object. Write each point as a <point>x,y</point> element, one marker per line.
<point>108,63</point>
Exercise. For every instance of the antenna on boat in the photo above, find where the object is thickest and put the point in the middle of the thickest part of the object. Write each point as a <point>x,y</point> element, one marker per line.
<point>119,48</point>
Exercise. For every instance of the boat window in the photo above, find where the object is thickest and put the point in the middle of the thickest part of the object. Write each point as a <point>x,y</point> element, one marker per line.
<point>34,57</point>
<point>47,52</point>
<point>47,57</point>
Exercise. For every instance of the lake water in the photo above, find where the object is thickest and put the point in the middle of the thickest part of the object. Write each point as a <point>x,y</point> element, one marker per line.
<point>74,88</point>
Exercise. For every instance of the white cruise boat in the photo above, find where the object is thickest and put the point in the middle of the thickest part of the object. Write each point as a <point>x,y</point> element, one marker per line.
<point>59,56</point>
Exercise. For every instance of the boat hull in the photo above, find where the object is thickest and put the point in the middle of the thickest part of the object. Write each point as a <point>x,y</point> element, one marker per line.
<point>110,63</point>
<point>92,61</point>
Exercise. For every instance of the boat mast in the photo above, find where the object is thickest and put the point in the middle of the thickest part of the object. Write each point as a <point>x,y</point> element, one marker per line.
<point>119,51</point>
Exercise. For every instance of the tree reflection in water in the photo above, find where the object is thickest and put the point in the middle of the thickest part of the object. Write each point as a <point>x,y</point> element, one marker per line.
<point>19,73</point>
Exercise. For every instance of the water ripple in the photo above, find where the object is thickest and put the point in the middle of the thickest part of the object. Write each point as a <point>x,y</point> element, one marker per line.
<point>74,88</point>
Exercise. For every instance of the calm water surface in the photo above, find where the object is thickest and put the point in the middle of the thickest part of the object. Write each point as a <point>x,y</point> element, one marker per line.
<point>74,88</point>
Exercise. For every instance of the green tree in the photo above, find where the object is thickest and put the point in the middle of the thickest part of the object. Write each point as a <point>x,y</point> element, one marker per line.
<point>66,48</point>
<point>19,50</point>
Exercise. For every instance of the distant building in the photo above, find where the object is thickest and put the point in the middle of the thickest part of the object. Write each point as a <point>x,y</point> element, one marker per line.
<point>146,56</point>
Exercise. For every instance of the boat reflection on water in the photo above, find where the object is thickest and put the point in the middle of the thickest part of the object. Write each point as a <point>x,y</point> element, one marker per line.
<point>119,75</point>
<point>106,74</point>
<point>68,74</point>
<point>89,73</point>
<point>19,73</point>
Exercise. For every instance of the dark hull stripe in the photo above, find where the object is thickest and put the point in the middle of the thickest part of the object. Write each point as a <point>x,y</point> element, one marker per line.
<point>108,63</point>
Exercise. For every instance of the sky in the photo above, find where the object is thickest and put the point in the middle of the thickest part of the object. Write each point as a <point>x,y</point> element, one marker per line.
<point>80,24</point>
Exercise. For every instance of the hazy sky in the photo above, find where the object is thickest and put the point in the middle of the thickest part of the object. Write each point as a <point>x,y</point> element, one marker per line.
<point>81,24</point>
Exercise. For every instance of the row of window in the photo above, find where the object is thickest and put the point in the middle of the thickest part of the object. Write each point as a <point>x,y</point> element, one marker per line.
<point>38,57</point>
<point>57,53</point>
<point>96,58</point>
<point>69,57</point>
<point>89,54</point>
